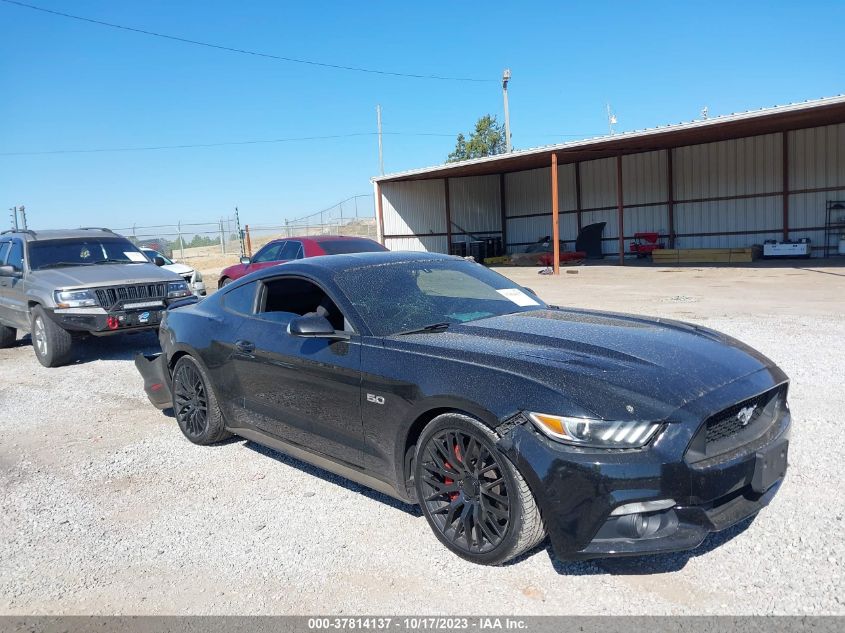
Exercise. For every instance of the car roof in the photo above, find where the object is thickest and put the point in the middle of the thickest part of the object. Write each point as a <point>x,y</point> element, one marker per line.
<point>336,263</point>
<point>321,238</point>
<point>59,234</point>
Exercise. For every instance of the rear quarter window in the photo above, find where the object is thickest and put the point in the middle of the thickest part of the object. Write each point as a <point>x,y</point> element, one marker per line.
<point>242,299</point>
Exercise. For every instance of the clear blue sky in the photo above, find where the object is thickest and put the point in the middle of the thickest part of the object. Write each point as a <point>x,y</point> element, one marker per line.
<point>73,85</point>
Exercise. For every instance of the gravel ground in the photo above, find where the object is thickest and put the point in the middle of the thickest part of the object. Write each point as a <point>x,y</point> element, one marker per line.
<point>105,508</point>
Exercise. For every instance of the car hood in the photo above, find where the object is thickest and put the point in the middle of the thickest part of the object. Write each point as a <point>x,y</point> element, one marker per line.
<point>611,365</point>
<point>179,269</point>
<point>102,275</point>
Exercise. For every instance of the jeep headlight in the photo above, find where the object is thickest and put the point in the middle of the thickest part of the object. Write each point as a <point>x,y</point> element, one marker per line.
<point>176,289</point>
<point>595,433</point>
<point>75,298</point>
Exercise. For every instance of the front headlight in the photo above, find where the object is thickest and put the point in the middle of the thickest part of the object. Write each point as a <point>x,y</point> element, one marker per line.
<point>75,298</point>
<point>176,289</point>
<point>595,433</point>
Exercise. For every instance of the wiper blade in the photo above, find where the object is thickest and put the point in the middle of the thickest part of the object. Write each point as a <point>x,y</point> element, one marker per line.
<point>117,261</point>
<point>434,327</point>
<point>57,264</point>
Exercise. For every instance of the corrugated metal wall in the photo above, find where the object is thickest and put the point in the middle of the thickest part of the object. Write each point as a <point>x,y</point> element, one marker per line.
<point>726,194</point>
<point>476,204</point>
<point>816,161</point>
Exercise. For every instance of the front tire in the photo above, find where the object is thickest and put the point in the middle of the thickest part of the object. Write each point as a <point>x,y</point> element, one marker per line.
<point>195,405</point>
<point>52,344</point>
<point>474,499</point>
<point>225,282</point>
<point>8,335</point>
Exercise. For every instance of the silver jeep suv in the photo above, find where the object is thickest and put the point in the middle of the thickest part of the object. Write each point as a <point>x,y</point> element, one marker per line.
<point>59,285</point>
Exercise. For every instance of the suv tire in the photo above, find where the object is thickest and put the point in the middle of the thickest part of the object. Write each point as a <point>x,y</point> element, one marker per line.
<point>7,336</point>
<point>51,343</point>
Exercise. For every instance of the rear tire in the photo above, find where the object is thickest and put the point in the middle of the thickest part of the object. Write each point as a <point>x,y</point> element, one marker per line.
<point>195,405</point>
<point>52,344</point>
<point>8,335</point>
<point>474,499</point>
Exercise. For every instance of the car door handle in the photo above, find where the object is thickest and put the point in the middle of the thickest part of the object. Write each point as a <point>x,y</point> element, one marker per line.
<point>247,347</point>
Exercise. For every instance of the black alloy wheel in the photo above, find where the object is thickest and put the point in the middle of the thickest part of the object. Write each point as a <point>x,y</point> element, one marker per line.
<point>191,399</point>
<point>195,405</point>
<point>473,497</point>
<point>465,491</point>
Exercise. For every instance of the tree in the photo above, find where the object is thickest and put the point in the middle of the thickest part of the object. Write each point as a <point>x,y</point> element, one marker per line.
<point>488,139</point>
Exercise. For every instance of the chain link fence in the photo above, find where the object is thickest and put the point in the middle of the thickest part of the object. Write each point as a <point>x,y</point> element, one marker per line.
<point>231,236</point>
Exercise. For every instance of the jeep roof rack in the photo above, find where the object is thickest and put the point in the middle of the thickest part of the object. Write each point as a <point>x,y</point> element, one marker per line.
<point>96,228</point>
<point>27,231</point>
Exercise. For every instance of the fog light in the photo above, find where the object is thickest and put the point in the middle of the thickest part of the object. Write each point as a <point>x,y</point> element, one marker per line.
<point>640,525</point>
<point>643,506</point>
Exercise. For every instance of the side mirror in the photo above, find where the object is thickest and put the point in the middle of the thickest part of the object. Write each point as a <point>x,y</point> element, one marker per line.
<point>9,271</point>
<point>246,260</point>
<point>158,261</point>
<point>315,327</point>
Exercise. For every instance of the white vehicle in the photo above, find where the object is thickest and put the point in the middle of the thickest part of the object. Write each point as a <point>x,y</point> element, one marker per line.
<point>193,277</point>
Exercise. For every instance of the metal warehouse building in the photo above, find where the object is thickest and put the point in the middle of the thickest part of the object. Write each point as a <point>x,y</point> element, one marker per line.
<point>725,182</point>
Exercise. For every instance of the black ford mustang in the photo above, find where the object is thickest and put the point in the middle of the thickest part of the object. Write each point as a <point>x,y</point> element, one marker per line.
<point>440,382</point>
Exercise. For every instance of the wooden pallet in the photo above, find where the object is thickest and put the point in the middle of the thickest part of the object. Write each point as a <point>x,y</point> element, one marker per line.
<point>705,255</point>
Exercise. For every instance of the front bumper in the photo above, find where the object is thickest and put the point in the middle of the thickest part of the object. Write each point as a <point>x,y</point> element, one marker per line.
<point>156,375</point>
<point>99,322</point>
<point>577,489</point>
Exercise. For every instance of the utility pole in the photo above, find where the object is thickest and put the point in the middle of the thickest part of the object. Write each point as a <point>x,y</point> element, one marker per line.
<point>506,76</point>
<point>611,121</point>
<point>22,209</point>
<point>14,217</point>
<point>380,153</point>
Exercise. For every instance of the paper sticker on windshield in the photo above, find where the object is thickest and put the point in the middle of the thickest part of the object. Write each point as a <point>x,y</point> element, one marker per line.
<point>135,256</point>
<point>518,297</point>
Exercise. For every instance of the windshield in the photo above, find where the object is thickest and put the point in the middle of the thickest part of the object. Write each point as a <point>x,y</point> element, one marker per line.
<point>405,296</point>
<point>151,254</point>
<point>83,252</point>
<point>354,245</point>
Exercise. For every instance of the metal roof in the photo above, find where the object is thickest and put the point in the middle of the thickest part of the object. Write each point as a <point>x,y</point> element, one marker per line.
<point>811,113</point>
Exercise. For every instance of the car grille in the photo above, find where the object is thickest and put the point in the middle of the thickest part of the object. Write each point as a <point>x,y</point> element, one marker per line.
<point>108,298</point>
<point>747,414</point>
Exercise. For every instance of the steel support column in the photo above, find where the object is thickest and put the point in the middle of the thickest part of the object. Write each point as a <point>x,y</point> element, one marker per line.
<point>578,194</point>
<point>379,214</point>
<point>785,185</point>
<point>620,208</point>
<point>670,197</point>
<point>448,217</point>
<point>555,219</point>
<point>504,212</point>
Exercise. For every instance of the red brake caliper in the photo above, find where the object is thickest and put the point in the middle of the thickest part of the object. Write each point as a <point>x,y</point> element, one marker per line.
<point>447,480</point>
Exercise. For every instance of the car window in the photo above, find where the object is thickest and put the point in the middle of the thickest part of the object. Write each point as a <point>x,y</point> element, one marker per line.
<point>153,254</point>
<point>269,253</point>
<point>351,245</point>
<point>300,297</point>
<point>15,259</point>
<point>290,250</point>
<point>404,296</point>
<point>4,248</point>
<point>241,299</point>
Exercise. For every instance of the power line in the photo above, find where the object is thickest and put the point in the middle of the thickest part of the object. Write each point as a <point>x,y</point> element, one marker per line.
<point>242,51</point>
<point>221,144</point>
